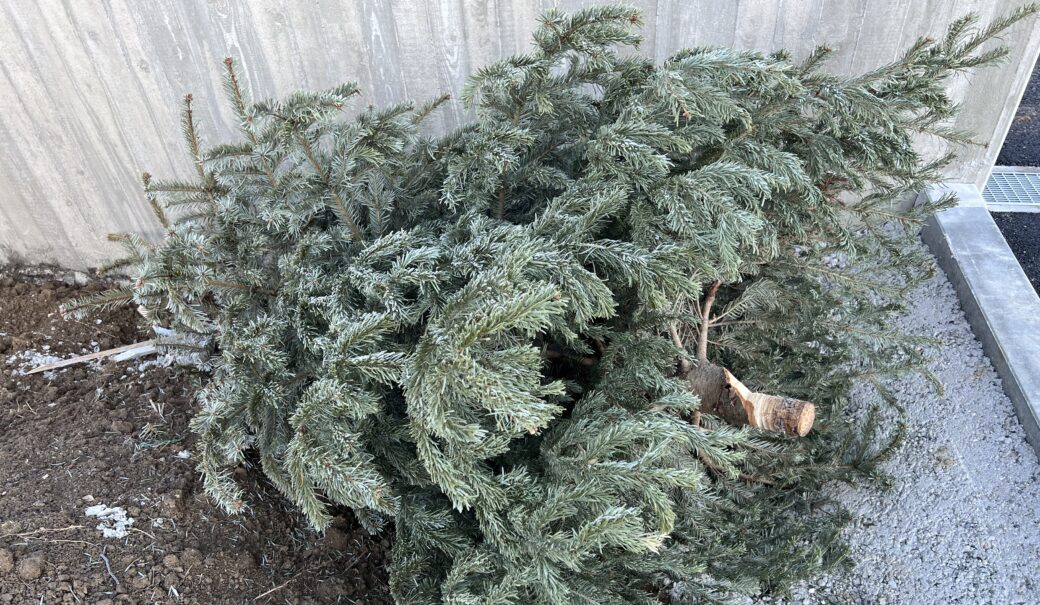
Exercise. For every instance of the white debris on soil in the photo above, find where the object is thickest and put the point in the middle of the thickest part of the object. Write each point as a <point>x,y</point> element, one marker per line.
<point>26,361</point>
<point>151,363</point>
<point>23,362</point>
<point>184,454</point>
<point>962,522</point>
<point>192,349</point>
<point>134,353</point>
<point>114,522</point>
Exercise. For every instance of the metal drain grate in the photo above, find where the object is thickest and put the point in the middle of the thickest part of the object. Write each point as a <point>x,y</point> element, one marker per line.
<point>1012,187</point>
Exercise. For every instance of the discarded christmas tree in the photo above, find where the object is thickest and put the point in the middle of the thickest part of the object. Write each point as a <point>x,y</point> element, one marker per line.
<point>520,342</point>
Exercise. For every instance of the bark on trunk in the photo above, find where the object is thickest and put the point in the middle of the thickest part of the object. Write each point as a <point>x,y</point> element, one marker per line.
<point>724,396</point>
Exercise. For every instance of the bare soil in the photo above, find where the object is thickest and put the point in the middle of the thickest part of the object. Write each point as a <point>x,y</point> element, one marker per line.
<point>116,434</point>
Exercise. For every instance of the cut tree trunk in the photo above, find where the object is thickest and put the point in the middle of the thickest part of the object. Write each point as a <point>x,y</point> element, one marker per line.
<point>722,395</point>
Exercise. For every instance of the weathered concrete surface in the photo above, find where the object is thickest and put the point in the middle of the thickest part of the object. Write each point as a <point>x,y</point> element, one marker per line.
<point>89,91</point>
<point>996,296</point>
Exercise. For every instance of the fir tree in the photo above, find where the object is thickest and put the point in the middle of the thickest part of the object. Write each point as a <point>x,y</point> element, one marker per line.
<point>507,341</point>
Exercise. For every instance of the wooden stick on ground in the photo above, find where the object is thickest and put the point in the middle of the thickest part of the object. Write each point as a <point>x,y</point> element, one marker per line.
<point>145,348</point>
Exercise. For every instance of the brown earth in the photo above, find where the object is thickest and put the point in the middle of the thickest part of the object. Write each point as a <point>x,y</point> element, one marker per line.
<point>110,433</point>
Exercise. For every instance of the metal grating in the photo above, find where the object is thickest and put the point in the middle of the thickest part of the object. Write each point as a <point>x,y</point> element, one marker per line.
<point>1012,187</point>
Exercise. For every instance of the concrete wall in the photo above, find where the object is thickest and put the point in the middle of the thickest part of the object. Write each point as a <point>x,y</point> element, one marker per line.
<point>90,89</point>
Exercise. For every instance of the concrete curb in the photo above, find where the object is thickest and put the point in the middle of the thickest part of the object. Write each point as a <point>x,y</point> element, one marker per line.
<point>997,298</point>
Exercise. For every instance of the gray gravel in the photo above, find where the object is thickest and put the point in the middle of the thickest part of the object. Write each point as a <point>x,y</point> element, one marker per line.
<point>962,523</point>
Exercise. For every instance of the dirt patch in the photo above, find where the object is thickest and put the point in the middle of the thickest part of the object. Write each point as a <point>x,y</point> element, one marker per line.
<point>113,438</point>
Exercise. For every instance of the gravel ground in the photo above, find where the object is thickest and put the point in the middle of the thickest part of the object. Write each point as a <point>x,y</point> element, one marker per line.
<point>1022,145</point>
<point>962,523</point>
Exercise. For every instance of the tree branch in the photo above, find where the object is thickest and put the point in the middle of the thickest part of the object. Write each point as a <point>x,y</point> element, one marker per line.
<point>344,211</point>
<point>702,339</point>
<point>684,365</point>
